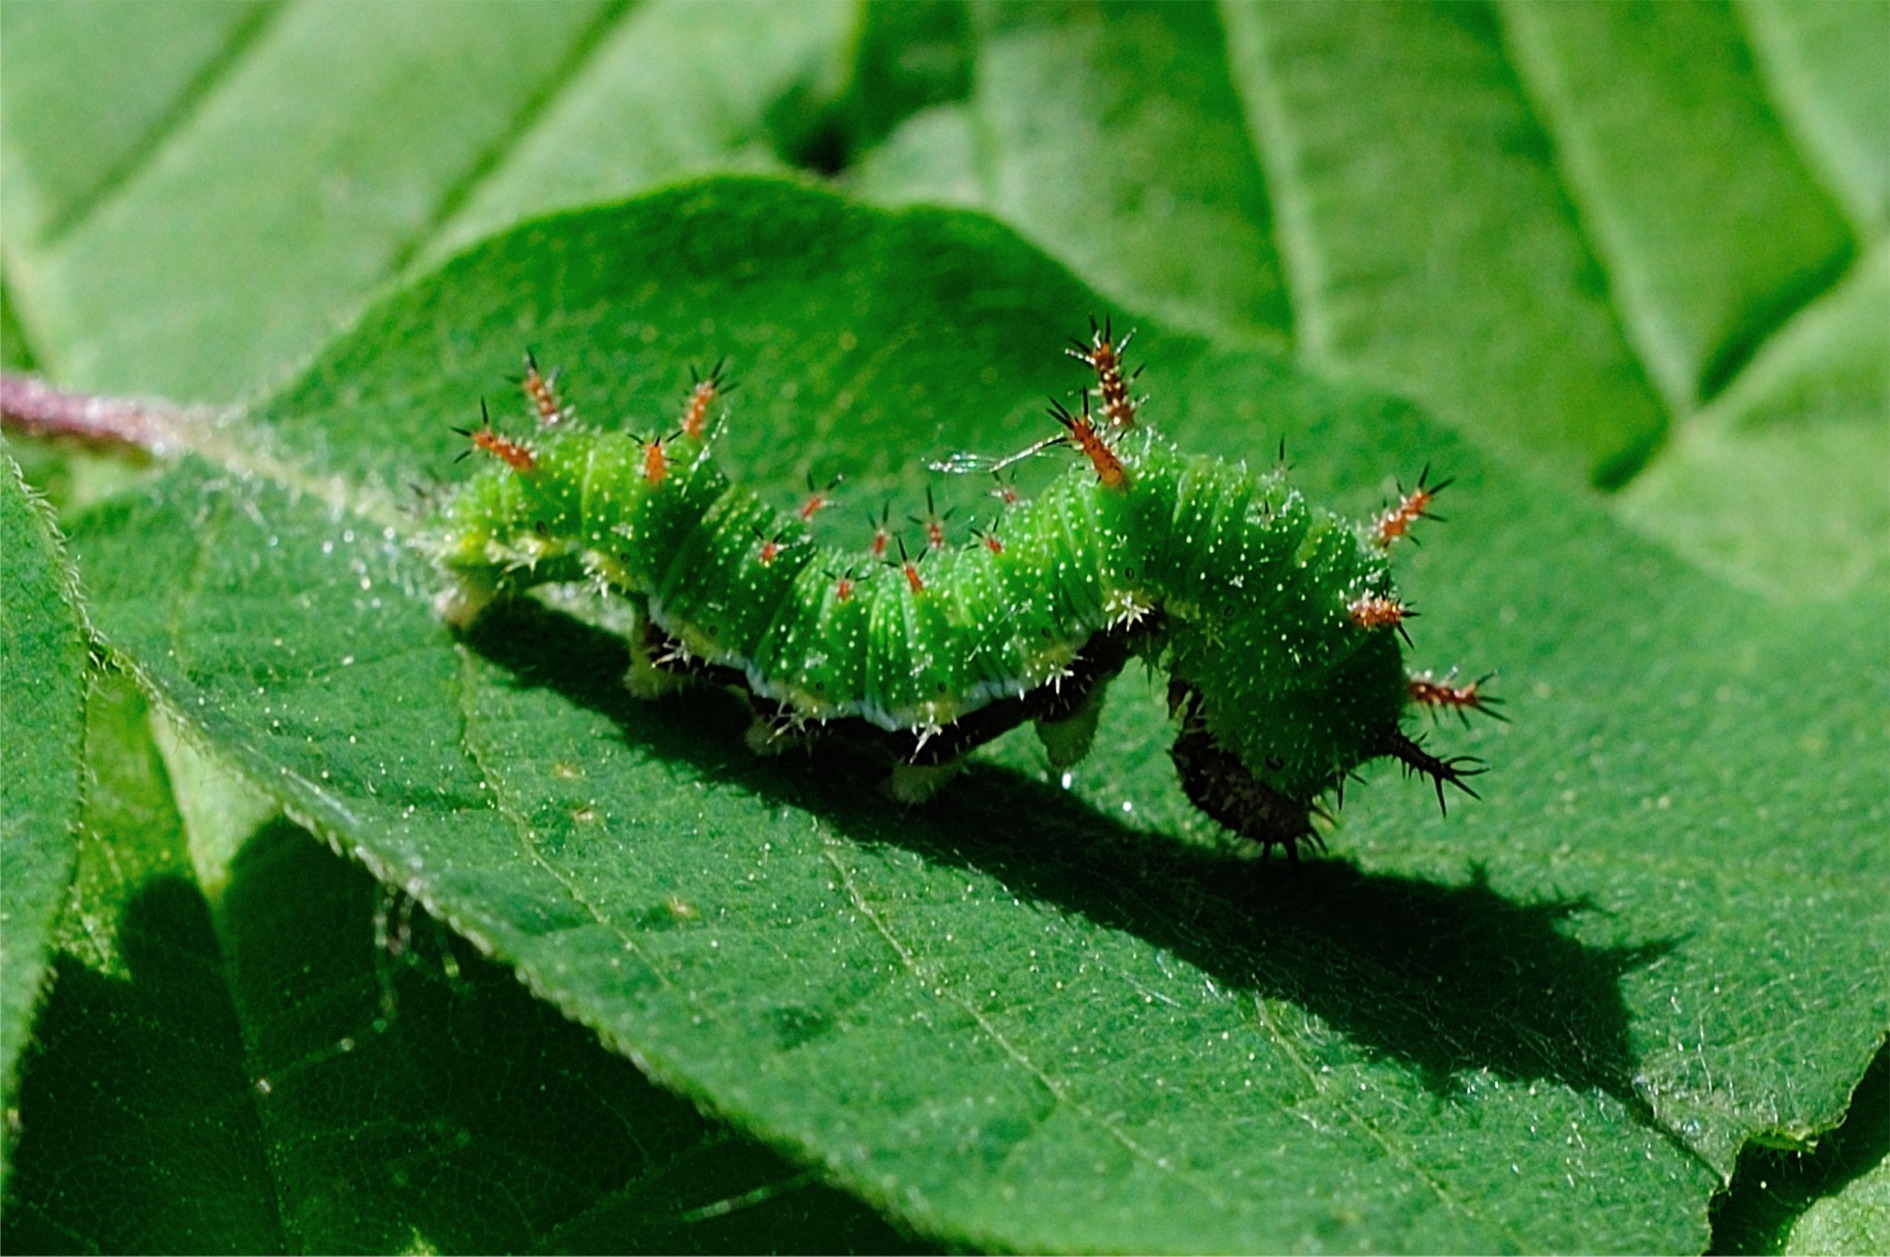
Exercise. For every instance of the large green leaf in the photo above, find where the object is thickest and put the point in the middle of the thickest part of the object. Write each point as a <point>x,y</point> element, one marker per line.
<point>270,173</point>
<point>42,710</point>
<point>1823,66</point>
<point>1144,181</point>
<point>78,122</point>
<point>656,100</point>
<point>1448,287</point>
<point>308,1062</point>
<point>1740,489</point>
<point>1856,1220</point>
<point>318,205</point>
<point>1710,227</point>
<point>1017,1017</point>
<point>1440,211</point>
<point>1795,1198</point>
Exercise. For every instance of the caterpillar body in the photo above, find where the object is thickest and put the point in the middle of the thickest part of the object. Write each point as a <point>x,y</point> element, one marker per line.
<point>1276,621</point>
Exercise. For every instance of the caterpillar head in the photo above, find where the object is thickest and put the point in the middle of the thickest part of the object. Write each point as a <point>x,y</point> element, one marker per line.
<point>1288,673</point>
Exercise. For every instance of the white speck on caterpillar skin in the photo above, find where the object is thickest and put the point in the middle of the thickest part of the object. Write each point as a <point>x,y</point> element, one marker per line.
<point>1275,621</point>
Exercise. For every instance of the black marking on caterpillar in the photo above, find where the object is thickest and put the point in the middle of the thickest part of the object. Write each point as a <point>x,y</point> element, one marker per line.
<point>1275,621</point>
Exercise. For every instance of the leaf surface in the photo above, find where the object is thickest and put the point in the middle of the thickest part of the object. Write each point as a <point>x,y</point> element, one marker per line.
<point>1144,181</point>
<point>134,1090</point>
<point>1779,484</point>
<point>674,88</point>
<point>1711,228</point>
<point>1823,66</point>
<point>321,204</point>
<point>308,1062</point>
<point>77,123</point>
<point>1019,1018</point>
<point>1426,238</point>
<point>1856,1220</point>
<point>43,681</point>
<point>1548,270</point>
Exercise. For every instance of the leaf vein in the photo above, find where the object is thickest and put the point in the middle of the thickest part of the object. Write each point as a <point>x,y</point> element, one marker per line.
<point>1398,1154</point>
<point>913,965</point>
<point>521,824</point>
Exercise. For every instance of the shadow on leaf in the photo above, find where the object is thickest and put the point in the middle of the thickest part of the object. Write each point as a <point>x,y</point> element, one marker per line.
<point>332,1071</point>
<point>407,1075</point>
<point>137,1128</point>
<point>1444,979</point>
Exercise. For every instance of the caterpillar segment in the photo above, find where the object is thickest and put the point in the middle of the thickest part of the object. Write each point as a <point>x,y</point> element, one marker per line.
<point>1276,621</point>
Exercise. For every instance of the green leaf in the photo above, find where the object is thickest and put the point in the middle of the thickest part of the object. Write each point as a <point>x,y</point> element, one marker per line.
<point>302,159</point>
<point>1779,484</point>
<point>1823,66</point>
<point>312,1063</point>
<point>78,123</point>
<point>43,680</point>
<point>1856,1220</point>
<point>402,1078</point>
<point>1143,181</point>
<point>1788,1193</point>
<point>15,355</point>
<point>1018,1018</point>
<point>907,58</point>
<point>1709,226</point>
<point>655,100</point>
<point>133,1091</point>
<point>1472,241</point>
<point>299,209</point>
<point>1426,238</point>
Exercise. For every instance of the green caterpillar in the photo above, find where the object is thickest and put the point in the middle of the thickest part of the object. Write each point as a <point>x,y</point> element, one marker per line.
<point>1275,621</point>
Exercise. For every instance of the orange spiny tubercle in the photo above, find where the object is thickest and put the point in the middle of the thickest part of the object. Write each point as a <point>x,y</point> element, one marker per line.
<point>1372,611</point>
<point>933,523</point>
<point>702,395</point>
<point>655,461</point>
<point>541,390</point>
<point>910,567</point>
<point>882,536</point>
<point>1104,356</point>
<point>1396,521</point>
<point>515,453</point>
<point>1443,694</point>
<point>818,499</point>
<point>1082,430</point>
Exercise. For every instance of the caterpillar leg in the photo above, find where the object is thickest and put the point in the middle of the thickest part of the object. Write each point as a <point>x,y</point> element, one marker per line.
<point>654,666</point>
<point>1066,713</point>
<point>462,602</point>
<point>915,783</point>
<point>775,730</point>
<point>1067,737</point>
<point>1219,784</point>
